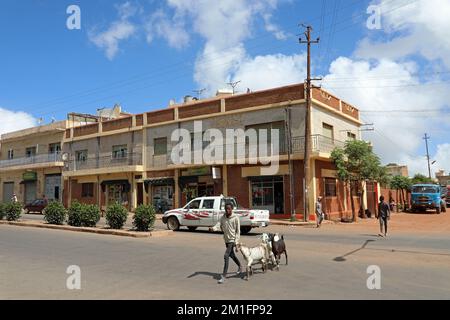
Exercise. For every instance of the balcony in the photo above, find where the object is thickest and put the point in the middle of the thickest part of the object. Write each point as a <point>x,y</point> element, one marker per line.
<point>36,161</point>
<point>104,162</point>
<point>320,145</point>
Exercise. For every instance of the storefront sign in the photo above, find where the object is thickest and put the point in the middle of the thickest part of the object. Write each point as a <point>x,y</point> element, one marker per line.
<point>29,176</point>
<point>200,171</point>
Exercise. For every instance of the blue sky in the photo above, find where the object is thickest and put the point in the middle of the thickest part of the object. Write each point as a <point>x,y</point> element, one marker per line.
<point>142,53</point>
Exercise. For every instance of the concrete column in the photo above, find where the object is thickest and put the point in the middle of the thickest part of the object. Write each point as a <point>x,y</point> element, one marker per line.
<point>225,180</point>
<point>176,192</point>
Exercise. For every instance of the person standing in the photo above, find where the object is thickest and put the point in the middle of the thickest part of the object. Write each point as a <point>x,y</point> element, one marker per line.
<point>383,214</point>
<point>14,198</point>
<point>229,224</point>
<point>319,212</point>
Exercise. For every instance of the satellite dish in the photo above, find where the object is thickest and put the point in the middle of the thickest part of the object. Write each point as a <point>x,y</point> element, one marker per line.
<point>65,156</point>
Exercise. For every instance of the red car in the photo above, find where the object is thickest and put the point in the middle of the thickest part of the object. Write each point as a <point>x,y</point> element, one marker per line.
<point>36,206</point>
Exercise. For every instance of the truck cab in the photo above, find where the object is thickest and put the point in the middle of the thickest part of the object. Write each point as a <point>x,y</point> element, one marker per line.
<point>207,211</point>
<point>427,196</point>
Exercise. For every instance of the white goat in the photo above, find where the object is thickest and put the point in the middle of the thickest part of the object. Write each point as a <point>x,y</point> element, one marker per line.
<point>270,256</point>
<point>253,255</point>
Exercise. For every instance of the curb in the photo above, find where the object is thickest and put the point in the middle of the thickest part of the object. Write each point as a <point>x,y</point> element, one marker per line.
<point>123,233</point>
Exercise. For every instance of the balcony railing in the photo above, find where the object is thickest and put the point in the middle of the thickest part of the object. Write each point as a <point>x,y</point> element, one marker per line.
<point>319,143</point>
<point>36,159</point>
<point>106,161</point>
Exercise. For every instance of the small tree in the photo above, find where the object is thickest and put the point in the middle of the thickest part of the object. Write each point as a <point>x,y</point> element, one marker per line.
<point>13,211</point>
<point>116,216</point>
<point>2,210</point>
<point>421,179</point>
<point>144,217</point>
<point>55,213</point>
<point>355,164</point>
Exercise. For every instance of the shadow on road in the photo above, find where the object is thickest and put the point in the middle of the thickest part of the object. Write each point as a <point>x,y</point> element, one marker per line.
<point>215,276</point>
<point>252,234</point>
<point>342,258</point>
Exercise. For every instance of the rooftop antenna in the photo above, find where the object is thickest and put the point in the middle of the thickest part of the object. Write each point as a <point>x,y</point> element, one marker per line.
<point>233,85</point>
<point>40,120</point>
<point>199,92</point>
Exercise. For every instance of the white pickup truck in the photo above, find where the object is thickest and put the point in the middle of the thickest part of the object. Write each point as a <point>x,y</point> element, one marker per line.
<point>207,211</point>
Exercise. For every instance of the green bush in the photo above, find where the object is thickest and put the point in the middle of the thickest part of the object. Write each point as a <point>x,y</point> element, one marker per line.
<point>13,211</point>
<point>2,210</point>
<point>90,215</point>
<point>55,213</point>
<point>116,216</point>
<point>74,214</point>
<point>83,215</point>
<point>144,218</point>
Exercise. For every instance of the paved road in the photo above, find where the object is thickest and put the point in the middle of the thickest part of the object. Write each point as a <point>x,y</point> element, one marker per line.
<point>326,263</point>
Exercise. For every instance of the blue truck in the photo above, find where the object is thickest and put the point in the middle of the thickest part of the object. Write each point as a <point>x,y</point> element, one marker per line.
<point>428,196</point>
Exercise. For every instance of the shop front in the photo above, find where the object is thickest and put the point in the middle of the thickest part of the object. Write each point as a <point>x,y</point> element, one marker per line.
<point>199,182</point>
<point>117,191</point>
<point>161,193</point>
<point>29,181</point>
<point>267,193</point>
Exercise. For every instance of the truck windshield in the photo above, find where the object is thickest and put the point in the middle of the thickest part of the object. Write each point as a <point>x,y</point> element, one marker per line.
<point>424,189</point>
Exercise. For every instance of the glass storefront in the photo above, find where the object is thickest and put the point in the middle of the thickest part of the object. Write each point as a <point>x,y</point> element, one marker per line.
<point>268,194</point>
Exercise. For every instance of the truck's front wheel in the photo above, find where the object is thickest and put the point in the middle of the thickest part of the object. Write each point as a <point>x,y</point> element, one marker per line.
<point>173,224</point>
<point>245,230</point>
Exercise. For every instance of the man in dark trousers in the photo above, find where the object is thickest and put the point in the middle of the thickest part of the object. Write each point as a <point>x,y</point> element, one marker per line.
<point>383,214</point>
<point>319,212</point>
<point>229,224</point>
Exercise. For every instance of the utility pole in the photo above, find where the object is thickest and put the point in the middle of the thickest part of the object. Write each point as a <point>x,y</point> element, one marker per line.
<point>233,85</point>
<point>426,138</point>
<point>306,159</point>
<point>288,142</point>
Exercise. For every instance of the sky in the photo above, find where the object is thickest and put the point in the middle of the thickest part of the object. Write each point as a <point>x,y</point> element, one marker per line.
<point>389,58</point>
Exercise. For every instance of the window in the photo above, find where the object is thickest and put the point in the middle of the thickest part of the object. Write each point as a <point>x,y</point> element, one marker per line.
<point>54,148</point>
<point>330,187</point>
<point>327,131</point>
<point>351,135</point>
<point>87,190</point>
<point>208,204</point>
<point>279,125</point>
<point>10,154</point>
<point>204,143</point>
<point>262,193</point>
<point>160,146</point>
<point>194,204</point>
<point>232,201</point>
<point>30,152</point>
<point>81,156</point>
<point>119,152</point>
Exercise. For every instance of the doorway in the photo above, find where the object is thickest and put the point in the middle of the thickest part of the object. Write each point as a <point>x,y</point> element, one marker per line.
<point>140,193</point>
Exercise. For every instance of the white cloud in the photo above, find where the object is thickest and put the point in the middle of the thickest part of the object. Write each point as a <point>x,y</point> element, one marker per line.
<point>173,30</point>
<point>273,28</point>
<point>383,87</point>
<point>420,27</point>
<point>442,157</point>
<point>118,31</point>
<point>14,121</point>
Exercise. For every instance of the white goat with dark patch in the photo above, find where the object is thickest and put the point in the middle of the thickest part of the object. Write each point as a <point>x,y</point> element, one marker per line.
<point>270,256</point>
<point>253,255</point>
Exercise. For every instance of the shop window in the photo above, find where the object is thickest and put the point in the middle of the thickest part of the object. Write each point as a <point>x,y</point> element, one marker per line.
<point>117,194</point>
<point>330,187</point>
<point>262,193</point>
<point>119,152</point>
<point>208,204</point>
<point>87,190</point>
<point>160,146</point>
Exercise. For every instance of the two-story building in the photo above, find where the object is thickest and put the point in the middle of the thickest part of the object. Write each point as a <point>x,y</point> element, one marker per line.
<point>31,164</point>
<point>136,159</point>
